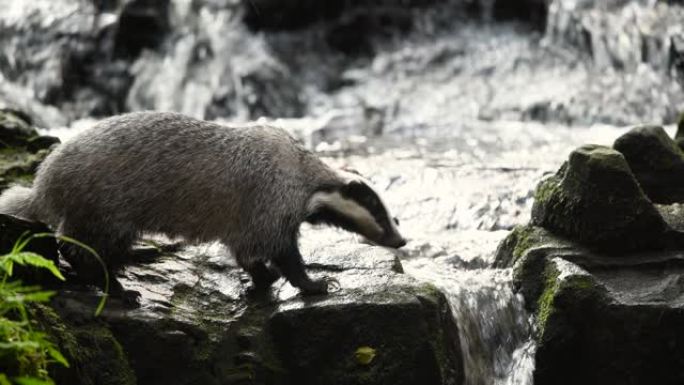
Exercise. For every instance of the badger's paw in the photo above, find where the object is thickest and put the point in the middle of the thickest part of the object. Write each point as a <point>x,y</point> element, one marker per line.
<point>321,286</point>
<point>333,284</point>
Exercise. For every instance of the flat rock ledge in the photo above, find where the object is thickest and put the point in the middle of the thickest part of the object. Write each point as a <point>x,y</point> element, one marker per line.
<point>197,323</point>
<point>601,319</point>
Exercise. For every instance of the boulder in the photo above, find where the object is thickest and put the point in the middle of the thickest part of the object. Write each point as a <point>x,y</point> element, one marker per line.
<point>676,57</point>
<point>95,356</point>
<point>603,320</point>
<point>679,135</point>
<point>198,323</point>
<point>142,24</point>
<point>295,14</point>
<point>594,199</point>
<point>656,161</point>
<point>21,148</point>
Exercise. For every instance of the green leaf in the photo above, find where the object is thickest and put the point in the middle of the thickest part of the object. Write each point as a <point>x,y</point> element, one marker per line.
<point>4,380</point>
<point>32,381</point>
<point>38,296</point>
<point>7,264</point>
<point>57,356</point>
<point>36,260</point>
<point>19,345</point>
<point>25,239</point>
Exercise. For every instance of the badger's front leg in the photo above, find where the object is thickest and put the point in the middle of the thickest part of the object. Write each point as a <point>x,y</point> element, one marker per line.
<point>291,266</point>
<point>262,276</point>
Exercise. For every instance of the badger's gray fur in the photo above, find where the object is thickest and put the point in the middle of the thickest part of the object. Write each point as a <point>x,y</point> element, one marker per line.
<point>248,187</point>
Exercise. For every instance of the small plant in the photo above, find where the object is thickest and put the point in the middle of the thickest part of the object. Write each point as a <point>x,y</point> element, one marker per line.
<point>26,352</point>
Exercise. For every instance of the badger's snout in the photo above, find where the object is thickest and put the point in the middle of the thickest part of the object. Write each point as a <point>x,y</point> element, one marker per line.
<point>394,241</point>
<point>397,243</point>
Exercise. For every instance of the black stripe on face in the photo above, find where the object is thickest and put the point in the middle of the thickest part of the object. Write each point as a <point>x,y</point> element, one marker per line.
<point>362,194</point>
<point>324,215</point>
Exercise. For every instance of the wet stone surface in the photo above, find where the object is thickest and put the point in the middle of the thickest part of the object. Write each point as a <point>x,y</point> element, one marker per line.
<point>614,318</point>
<point>196,312</point>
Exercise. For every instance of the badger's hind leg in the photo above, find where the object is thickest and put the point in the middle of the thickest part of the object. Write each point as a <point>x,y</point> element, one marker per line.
<point>113,248</point>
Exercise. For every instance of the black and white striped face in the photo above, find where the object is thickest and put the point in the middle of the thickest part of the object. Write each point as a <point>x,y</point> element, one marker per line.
<point>356,207</point>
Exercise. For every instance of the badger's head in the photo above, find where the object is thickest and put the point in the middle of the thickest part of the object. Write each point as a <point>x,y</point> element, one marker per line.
<point>355,206</point>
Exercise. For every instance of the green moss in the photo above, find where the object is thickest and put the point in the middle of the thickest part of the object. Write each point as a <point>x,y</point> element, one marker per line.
<point>680,127</point>
<point>524,240</point>
<point>545,303</point>
<point>18,166</point>
<point>429,292</point>
<point>546,189</point>
<point>94,354</point>
<point>576,290</point>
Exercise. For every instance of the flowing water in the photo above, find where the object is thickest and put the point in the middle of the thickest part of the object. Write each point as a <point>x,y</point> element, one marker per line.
<point>456,120</point>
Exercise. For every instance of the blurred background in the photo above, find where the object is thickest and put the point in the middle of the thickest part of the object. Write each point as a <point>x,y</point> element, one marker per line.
<point>455,109</point>
<point>398,67</point>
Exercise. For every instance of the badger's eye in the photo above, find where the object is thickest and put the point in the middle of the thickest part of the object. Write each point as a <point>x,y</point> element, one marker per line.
<point>396,221</point>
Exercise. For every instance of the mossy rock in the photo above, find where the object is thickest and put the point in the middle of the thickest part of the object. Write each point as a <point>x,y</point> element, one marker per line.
<point>522,239</point>
<point>656,160</point>
<point>95,356</point>
<point>595,200</point>
<point>22,149</point>
<point>568,294</point>
<point>679,135</point>
<point>680,128</point>
<point>15,128</point>
<point>318,345</point>
<point>594,328</point>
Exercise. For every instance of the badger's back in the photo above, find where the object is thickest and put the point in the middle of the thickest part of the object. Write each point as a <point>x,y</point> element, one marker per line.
<point>169,173</point>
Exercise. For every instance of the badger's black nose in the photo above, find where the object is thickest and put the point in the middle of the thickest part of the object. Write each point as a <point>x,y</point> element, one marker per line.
<point>401,242</point>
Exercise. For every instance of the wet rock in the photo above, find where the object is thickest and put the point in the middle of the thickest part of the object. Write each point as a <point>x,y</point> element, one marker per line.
<point>15,128</point>
<point>656,161</point>
<point>214,69</point>
<point>41,51</point>
<point>679,135</point>
<point>352,34</point>
<point>294,14</point>
<point>75,54</point>
<point>619,34</point>
<point>512,248</point>
<point>530,11</point>
<point>673,215</point>
<point>196,312</point>
<point>93,353</point>
<point>676,64</point>
<point>594,199</point>
<point>21,148</point>
<point>601,319</point>
<point>142,24</point>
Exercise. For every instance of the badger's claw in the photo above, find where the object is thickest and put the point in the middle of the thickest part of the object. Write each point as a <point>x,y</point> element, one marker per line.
<point>324,285</point>
<point>333,284</point>
<point>316,287</point>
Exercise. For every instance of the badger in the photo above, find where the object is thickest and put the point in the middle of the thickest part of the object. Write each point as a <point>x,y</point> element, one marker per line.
<point>248,187</point>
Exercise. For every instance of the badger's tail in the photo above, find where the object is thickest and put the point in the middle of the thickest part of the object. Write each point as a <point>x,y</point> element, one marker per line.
<point>18,201</point>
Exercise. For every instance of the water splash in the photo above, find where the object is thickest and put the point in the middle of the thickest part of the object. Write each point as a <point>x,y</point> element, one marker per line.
<point>494,328</point>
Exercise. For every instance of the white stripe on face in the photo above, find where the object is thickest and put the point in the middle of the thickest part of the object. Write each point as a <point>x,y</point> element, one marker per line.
<point>347,208</point>
<point>350,176</point>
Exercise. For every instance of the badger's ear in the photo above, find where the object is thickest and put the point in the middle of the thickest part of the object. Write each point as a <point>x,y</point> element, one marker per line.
<point>351,171</point>
<point>357,190</point>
